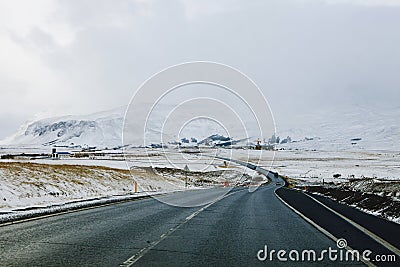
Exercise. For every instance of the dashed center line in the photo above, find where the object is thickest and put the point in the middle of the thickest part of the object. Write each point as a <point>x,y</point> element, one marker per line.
<point>143,251</point>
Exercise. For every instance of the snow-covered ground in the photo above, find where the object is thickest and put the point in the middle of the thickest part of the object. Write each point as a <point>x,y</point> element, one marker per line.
<point>29,184</point>
<point>314,166</point>
<point>47,182</point>
<point>41,182</point>
<point>307,165</point>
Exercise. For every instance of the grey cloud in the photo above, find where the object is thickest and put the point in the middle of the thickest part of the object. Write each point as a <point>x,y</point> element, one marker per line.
<point>303,54</point>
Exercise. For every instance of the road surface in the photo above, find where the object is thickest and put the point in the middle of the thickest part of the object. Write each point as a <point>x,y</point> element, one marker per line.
<point>147,232</point>
<point>229,232</point>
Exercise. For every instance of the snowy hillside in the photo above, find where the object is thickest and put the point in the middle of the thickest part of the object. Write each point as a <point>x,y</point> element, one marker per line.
<point>104,129</point>
<point>352,129</point>
<point>98,129</point>
<point>346,129</point>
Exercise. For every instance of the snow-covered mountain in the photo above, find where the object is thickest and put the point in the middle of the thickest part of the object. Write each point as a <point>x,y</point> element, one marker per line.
<point>104,129</point>
<point>351,129</point>
<point>99,129</point>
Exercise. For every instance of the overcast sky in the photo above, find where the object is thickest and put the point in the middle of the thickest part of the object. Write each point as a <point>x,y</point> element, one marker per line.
<point>71,57</point>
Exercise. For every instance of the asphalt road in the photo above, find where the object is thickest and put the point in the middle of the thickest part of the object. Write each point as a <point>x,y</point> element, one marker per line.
<point>210,227</point>
<point>387,230</point>
<point>356,238</point>
<point>148,232</point>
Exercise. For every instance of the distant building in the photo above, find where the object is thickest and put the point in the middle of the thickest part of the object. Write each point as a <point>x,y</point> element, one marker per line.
<point>58,154</point>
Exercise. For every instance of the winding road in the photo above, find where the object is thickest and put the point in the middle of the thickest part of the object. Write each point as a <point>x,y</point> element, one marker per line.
<point>233,230</point>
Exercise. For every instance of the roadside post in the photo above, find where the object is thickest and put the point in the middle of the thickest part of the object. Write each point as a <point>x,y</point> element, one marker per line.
<point>186,169</point>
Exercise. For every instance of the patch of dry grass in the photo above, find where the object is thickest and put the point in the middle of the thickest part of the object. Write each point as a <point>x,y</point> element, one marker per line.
<point>79,170</point>
<point>26,183</point>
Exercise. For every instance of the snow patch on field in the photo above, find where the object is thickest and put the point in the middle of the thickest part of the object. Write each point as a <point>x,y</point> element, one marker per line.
<point>316,166</point>
<point>30,184</point>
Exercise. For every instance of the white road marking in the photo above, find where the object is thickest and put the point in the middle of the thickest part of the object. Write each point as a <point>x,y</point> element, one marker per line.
<point>359,227</point>
<point>95,206</point>
<point>325,232</point>
<point>143,251</point>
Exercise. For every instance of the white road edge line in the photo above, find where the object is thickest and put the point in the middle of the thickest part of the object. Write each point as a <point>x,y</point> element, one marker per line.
<point>95,206</point>
<point>143,251</point>
<point>38,217</point>
<point>325,232</point>
<point>361,228</point>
